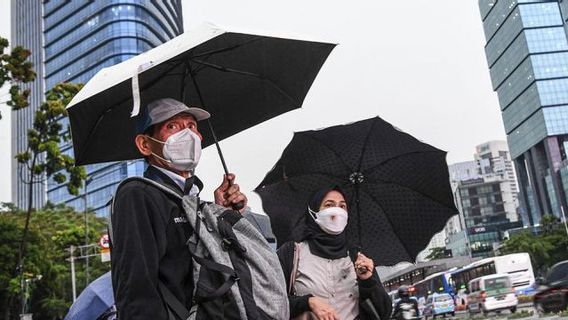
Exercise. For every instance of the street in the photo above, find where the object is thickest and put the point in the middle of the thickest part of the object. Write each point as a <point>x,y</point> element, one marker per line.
<point>522,308</point>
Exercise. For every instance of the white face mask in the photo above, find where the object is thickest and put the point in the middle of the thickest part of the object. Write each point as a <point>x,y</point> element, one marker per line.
<point>182,150</point>
<point>331,220</point>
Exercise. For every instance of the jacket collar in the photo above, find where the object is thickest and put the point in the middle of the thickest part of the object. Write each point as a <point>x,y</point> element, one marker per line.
<point>155,174</point>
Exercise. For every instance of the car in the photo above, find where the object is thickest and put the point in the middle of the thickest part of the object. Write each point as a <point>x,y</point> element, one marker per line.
<point>439,304</point>
<point>491,293</point>
<point>552,294</point>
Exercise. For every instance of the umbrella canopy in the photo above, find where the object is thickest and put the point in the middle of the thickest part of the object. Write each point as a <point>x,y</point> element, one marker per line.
<point>94,300</point>
<point>241,79</point>
<point>397,187</point>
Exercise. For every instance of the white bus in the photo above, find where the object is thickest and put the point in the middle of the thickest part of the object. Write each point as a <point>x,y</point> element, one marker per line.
<point>517,266</point>
<point>454,281</point>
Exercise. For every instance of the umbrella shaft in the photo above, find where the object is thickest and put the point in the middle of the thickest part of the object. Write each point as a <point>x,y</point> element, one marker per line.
<point>218,147</point>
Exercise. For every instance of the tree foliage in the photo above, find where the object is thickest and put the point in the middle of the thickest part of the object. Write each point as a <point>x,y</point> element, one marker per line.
<point>52,231</point>
<point>45,138</point>
<point>43,157</point>
<point>436,253</point>
<point>16,70</point>
<point>545,249</point>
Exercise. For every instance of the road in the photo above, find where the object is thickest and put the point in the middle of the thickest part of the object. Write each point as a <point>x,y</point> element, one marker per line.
<point>528,307</point>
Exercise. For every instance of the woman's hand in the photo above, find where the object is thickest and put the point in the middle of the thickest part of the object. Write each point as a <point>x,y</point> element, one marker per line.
<point>364,267</point>
<point>321,309</point>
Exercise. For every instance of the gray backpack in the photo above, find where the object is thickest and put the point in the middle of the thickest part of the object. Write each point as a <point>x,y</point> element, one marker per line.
<point>236,274</point>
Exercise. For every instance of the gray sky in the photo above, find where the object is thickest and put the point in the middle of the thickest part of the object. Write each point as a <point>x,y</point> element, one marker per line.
<point>418,64</point>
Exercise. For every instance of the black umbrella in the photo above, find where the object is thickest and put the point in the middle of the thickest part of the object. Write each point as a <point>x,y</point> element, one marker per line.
<point>241,79</point>
<point>397,187</point>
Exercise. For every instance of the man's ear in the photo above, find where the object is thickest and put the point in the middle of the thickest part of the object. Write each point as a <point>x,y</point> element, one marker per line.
<point>143,145</point>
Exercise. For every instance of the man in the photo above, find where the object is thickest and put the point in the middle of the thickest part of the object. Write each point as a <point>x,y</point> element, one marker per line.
<point>150,228</point>
<point>406,307</point>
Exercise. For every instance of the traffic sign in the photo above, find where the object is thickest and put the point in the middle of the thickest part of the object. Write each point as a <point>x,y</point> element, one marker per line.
<point>104,241</point>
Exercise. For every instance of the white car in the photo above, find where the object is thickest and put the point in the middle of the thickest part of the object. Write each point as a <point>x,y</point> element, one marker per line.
<point>491,293</point>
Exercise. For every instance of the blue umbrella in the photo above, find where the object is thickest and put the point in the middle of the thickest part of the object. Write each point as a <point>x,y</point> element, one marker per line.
<point>94,301</point>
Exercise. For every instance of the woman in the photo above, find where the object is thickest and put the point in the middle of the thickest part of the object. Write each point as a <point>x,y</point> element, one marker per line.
<point>325,279</point>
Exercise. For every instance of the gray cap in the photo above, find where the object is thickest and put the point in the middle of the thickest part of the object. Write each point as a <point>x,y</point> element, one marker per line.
<point>162,109</point>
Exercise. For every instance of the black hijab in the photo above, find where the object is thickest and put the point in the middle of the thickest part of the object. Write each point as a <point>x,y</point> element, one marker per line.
<point>322,244</point>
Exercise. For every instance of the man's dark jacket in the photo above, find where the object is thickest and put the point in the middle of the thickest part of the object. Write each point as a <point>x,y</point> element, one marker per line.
<point>149,235</point>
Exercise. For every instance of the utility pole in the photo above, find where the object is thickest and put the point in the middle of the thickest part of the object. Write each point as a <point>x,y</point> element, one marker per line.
<point>564,220</point>
<point>85,208</point>
<point>73,285</point>
<point>85,252</point>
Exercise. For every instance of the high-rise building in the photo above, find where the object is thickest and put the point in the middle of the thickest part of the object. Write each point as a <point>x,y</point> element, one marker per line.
<point>527,54</point>
<point>494,159</point>
<point>26,31</point>
<point>80,38</point>
<point>485,191</point>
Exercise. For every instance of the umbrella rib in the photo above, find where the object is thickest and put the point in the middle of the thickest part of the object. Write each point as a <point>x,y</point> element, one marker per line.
<point>333,151</point>
<point>225,49</point>
<point>305,174</point>
<point>250,74</point>
<point>365,144</point>
<point>389,220</point>
<point>416,191</point>
<point>399,156</point>
<point>99,119</point>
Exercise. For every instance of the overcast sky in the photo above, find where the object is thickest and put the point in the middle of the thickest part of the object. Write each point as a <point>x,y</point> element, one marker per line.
<point>417,64</point>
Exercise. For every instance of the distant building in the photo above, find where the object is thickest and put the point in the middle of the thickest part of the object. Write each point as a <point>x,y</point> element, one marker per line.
<point>26,31</point>
<point>485,191</point>
<point>527,54</point>
<point>74,40</point>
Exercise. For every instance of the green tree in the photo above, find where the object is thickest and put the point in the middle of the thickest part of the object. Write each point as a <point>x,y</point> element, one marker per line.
<point>52,231</point>
<point>43,157</point>
<point>544,249</point>
<point>15,69</point>
<point>436,253</point>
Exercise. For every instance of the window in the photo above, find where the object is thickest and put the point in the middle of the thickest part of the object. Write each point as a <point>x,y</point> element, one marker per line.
<point>558,273</point>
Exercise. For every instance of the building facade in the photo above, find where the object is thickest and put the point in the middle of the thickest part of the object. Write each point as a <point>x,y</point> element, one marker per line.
<point>527,54</point>
<point>79,39</point>
<point>26,31</point>
<point>485,191</point>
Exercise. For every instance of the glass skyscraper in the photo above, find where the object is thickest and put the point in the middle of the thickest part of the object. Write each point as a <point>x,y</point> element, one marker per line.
<point>527,53</point>
<point>26,31</point>
<point>82,37</point>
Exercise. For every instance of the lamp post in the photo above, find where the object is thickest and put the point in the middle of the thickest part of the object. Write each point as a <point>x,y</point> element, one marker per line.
<point>87,182</point>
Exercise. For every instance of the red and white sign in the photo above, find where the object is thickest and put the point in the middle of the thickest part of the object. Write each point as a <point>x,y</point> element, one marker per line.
<point>105,248</point>
<point>104,241</point>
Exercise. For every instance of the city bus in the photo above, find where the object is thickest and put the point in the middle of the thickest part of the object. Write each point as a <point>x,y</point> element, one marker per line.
<point>454,281</point>
<point>517,266</point>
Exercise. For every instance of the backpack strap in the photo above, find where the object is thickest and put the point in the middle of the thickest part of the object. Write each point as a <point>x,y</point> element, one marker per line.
<point>173,303</point>
<point>229,272</point>
<point>144,180</point>
<point>295,264</point>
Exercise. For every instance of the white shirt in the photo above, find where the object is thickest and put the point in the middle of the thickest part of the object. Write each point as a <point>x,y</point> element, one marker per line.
<point>179,180</point>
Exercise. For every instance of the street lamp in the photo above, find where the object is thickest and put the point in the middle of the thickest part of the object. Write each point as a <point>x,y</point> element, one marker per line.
<point>27,293</point>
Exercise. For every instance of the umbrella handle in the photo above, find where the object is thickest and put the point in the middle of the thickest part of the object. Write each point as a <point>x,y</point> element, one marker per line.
<point>238,206</point>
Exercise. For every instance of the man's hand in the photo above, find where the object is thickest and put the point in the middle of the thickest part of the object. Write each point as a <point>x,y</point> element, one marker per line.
<point>364,267</point>
<point>321,309</point>
<point>229,194</point>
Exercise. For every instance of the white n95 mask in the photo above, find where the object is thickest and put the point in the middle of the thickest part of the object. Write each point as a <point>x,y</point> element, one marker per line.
<point>331,220</point>
<point>181,150</point>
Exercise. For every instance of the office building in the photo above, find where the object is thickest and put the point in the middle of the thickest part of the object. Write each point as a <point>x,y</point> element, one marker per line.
<point>485,191</point>
<point>26,31</point>
<point>79,39</point>
<point>527,54</point>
